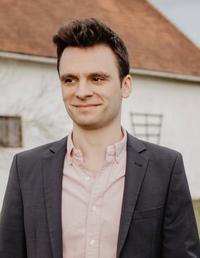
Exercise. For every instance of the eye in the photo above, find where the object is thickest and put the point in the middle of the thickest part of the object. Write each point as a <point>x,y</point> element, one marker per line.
<point>97,79</point>
<point>69,81</point>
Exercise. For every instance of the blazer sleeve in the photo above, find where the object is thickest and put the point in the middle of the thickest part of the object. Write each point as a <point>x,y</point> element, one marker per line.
<point>180,235</point>
<point>12,235</point>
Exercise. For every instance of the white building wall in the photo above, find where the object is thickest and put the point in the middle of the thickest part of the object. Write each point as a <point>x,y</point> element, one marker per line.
<point>32,90</point>
<point>179,103</point>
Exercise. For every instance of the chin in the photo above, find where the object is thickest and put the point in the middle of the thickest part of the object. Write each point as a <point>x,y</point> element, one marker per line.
<point>88,125</point>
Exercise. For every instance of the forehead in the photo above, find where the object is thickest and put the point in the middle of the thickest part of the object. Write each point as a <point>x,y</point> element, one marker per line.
<point>87,60</point>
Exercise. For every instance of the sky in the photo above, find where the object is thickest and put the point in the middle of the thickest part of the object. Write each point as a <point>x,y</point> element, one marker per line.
<point>185,14</point>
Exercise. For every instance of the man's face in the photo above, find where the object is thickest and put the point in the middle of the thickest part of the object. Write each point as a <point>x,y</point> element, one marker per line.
<point>91,88</point>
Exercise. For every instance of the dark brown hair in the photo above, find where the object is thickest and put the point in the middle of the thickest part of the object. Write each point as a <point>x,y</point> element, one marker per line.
<point>90,32</point>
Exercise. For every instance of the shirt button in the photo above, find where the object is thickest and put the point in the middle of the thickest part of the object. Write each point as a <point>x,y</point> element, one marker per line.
<point>92,242</point>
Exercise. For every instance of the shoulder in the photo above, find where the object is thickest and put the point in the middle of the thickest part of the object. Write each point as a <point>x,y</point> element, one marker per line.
<point>42,150</point>
<point>162,161</point>
<point>153,151</point>
<point>30,161</point>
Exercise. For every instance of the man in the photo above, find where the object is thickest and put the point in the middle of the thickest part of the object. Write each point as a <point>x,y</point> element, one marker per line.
<point>99,192</point>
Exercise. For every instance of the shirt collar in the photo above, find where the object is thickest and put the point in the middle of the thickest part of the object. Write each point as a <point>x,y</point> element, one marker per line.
<point>72,152</point>
<point>113,151</point>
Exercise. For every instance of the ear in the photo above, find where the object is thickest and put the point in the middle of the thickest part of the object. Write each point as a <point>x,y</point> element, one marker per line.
<point>127,86</point>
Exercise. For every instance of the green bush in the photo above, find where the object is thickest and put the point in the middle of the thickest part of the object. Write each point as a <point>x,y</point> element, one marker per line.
<point>196,205</point>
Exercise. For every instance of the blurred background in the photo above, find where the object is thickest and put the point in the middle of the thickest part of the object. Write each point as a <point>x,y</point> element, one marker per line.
<point>163,40</point>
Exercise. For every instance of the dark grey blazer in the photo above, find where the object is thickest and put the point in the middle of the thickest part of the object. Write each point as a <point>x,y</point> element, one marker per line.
<point>157,218</point>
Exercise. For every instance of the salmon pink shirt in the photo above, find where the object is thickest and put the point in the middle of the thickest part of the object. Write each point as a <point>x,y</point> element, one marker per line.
<point>92,202</point>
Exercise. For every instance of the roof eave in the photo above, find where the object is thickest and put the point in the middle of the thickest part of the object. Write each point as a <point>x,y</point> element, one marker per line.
<point>26,57</point>
<point>167,75</point>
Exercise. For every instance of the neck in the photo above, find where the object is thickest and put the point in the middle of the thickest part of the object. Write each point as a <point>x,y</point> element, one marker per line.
<point>94,142</point>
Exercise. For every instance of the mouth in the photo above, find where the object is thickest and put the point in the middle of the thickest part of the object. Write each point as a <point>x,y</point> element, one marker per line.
<point>86,106</point>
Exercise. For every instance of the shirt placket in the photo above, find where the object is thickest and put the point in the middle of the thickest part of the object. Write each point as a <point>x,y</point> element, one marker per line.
<point>94,216</point>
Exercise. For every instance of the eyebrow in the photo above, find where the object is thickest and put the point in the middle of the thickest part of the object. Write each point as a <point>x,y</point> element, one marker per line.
<point>101,74</point>
<point>75,76</point>
<point>68,75</point>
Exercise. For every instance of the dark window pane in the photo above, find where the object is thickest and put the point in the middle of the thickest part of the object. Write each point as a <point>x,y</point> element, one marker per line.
<point>10,131</point>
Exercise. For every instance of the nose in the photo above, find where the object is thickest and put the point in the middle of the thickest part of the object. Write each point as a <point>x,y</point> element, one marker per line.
<point>83,90</point>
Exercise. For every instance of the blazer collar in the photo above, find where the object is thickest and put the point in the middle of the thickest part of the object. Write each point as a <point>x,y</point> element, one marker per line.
<point>53,162</point>
<point>136,166</point>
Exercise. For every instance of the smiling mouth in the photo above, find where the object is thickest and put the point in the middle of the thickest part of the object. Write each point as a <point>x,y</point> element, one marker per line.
<point>85,106</point>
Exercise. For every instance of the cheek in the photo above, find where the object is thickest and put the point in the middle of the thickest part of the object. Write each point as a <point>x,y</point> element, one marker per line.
<point>116,96</point>
<point>67,94</point>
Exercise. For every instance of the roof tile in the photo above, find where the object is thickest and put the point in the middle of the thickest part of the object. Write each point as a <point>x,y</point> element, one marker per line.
<point>153,42</point>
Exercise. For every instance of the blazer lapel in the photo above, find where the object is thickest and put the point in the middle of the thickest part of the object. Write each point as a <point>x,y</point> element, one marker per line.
<point>52,175</point>
<point>135,170</point>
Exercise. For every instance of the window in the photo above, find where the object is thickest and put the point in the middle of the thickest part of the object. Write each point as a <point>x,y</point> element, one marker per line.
<point>10,131</point>
<point>147,126</point>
